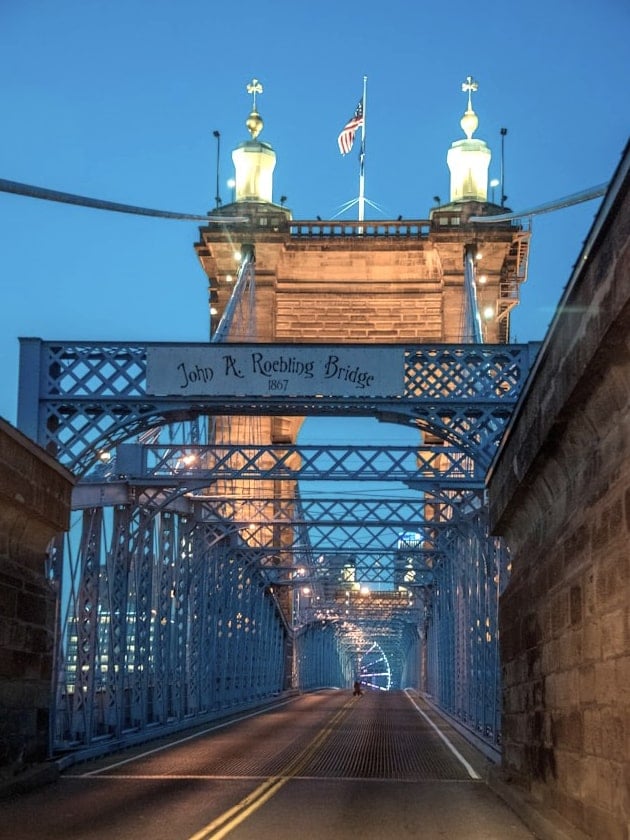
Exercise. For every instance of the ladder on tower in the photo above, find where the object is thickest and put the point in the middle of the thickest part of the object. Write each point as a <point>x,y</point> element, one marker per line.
<point>514,273</point>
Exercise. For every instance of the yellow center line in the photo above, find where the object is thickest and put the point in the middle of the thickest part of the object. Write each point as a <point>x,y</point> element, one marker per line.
<point>234,816</point>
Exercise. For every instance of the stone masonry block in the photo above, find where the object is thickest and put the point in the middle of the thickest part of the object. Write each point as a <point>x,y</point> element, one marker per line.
<point>622,682</point>
<point>567,689</point>
<point>592,641</point>
<point>587,684</point>
<point>571,649</point>
<point>575,605</point>
<point>605,586</point>
<point>599,822</point>
<point>614,633</point>
<point>567,730</point>
<point>610,778</point>
<point>605,681</point>
<point>614,727</point>
<point>590,598</point>
<point>570,771</point>
<point>560,612</point>
<point>592,729</point>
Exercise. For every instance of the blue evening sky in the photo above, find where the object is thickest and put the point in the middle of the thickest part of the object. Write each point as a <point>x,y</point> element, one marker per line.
<point>118,99</point>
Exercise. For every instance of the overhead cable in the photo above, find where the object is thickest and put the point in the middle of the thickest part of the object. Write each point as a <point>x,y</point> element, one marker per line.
<point>549,207</point>
<point>98,204</point>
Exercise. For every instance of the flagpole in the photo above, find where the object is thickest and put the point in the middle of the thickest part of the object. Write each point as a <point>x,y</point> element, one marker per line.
<point>362,156</point>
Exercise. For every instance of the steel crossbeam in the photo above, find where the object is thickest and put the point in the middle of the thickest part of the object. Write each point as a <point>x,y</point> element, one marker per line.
<point>282,528</point>
<point>325,537</point>
<point>374,564</point>
<point>404,513</point>
<point>385,509</point>
<point>79,398</point>
<point>202,465</point>
<point>397,511</point>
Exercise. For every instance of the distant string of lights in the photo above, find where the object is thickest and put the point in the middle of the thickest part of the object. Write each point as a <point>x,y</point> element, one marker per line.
<point>31,191</point>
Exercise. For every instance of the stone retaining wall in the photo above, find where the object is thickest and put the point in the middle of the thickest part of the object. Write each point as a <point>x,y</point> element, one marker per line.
<point>35,497</point>
<point>560,494</point>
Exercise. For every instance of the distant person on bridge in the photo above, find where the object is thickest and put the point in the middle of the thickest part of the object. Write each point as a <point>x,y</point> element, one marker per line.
<point>357,689</point>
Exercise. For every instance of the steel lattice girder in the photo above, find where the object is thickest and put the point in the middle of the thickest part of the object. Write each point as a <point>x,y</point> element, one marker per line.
<point>160,622</point>
<point>77,398</point>
<point>395,511</point>
<point>463,653</point>
<point>201,466</point>
<point>223,507</point>
<point>403,536</point>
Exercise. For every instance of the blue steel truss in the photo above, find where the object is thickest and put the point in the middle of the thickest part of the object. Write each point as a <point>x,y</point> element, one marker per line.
<point>179,602</point>
<point>78,399</point>
<point>173,626</point>
<point>200,466</point>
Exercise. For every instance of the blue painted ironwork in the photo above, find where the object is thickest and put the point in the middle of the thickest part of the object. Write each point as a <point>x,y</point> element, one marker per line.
<point>78,399</point>
<point>200,466</point>
<point>164,622</point>
<point>463,673</point>
<point>320,661</point>
<point>180,601</point>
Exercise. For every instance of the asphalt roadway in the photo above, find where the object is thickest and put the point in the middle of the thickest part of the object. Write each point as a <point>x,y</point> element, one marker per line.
<point>324,766</point>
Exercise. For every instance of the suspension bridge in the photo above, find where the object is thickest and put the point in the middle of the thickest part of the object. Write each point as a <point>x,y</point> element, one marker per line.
<point>216,565</point>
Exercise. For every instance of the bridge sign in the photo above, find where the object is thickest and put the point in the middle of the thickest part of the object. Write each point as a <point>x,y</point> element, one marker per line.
<point>263,370</point>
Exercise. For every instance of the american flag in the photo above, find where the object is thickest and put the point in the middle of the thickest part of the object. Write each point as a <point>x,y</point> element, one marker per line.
<point>346,138</point>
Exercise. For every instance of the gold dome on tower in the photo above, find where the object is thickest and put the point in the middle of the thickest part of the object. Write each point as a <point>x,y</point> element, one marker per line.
<point>254,124</point>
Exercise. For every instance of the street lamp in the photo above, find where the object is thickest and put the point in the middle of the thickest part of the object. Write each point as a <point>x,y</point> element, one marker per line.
<point>504,131</point>
<point>217,134</point>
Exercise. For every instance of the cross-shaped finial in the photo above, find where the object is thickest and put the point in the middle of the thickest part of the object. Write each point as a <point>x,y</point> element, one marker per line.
<point>470,86</point>
<point>254,87</point>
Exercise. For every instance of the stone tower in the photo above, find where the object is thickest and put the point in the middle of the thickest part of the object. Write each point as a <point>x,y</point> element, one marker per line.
<point>386,281</point>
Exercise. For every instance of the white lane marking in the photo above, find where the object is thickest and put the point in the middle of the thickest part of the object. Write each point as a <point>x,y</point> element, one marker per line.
<point>469,769</point>
<point>184,740</point>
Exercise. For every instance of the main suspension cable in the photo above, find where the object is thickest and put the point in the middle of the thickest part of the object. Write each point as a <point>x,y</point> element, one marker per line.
<point>98,204</point>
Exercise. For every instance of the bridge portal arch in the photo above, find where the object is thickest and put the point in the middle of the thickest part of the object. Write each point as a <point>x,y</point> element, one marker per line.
<point>164,530</point>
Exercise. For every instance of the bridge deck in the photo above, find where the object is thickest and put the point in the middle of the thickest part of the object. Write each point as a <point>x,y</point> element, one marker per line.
<point>324,765</point>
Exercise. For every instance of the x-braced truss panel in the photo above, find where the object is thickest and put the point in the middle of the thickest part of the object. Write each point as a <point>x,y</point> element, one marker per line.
<point>202,465</point>
<point>77,398</point>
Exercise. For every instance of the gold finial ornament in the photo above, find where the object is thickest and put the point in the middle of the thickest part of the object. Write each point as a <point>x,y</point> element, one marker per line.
<point>471,86</point>
<point>254,161</point>
<point>254,122</point>
<point>255,87</point>
<point>469,121</point>
<point>469,159</point>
